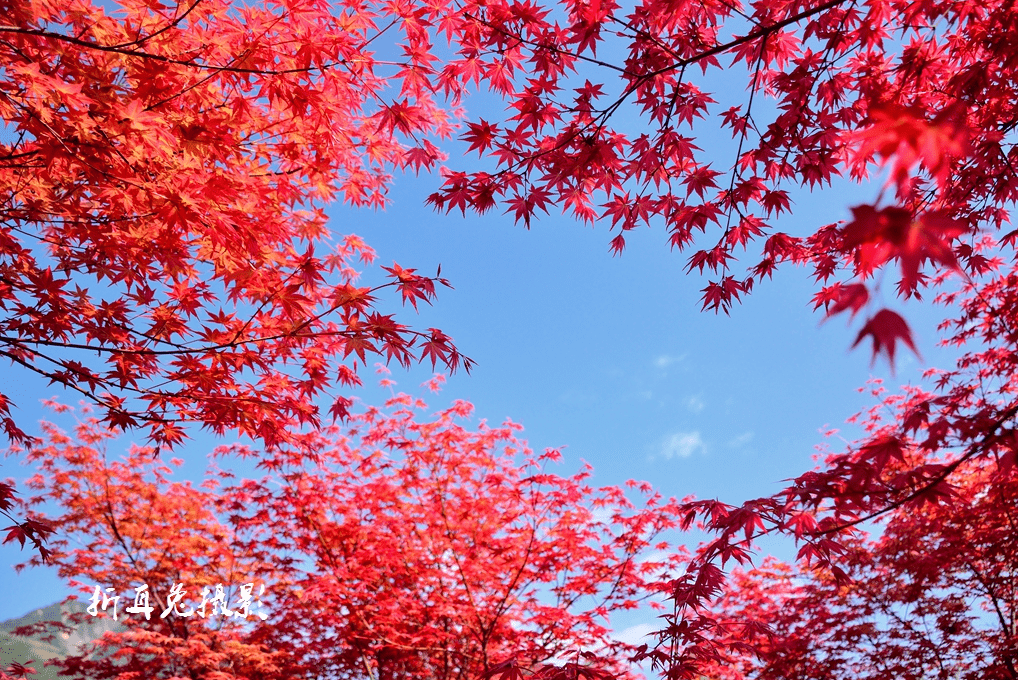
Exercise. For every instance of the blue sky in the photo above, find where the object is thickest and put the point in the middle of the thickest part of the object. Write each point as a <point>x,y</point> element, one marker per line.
<point>606,356</point>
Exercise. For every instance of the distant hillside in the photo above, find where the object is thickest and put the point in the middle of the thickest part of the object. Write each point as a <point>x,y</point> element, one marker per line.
<point>22,649</point>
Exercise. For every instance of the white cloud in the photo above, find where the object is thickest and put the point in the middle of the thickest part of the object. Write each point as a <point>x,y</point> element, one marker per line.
<point>665,360</point>
<point>681,445</point>
<point>602,515</point>
<point>694,403</point>
<point>634,635</point>
<point>741,440</point>
<point>663,558</point>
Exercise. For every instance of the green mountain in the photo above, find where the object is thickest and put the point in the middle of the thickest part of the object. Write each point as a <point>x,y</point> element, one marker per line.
<point>41,645</point>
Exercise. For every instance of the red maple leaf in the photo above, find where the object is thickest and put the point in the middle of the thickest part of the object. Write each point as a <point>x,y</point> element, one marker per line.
<point>505,670</point>
<point>875,236</point>
<point>886,328</point>
<point>852,296</point>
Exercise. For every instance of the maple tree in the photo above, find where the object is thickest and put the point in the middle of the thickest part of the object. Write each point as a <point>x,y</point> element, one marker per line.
<point>163,189</point>
<point>163,170</point>
<point>835,92</point>
<point>933,596</point>
<point>121,124</point>
<point>610,112</point>
<point>833,88</point>
<point>396,546</point>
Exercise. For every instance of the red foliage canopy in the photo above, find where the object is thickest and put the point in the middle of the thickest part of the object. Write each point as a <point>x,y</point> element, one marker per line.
<point>168,160</point>
<point>397,547</point>
<point>162,176</point>
<point>608,109</point>
<point>933,596</point>
<point>924,88</point>
<point>163,168</point>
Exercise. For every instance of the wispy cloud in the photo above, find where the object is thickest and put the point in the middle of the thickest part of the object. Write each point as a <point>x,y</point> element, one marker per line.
<point>578,397</point>
<point>681,445</point>
<point>634,635</point>
<point>741,440</point>
<point>657,563</point>
<point>666,360</point>
<point>694,403</point>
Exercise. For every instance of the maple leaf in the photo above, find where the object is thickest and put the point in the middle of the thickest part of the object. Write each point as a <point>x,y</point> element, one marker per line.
<point>15,533</point>
<point>572,671</point>
<point>929,238</point>
<point>340,409</point>
<point>412,286</point>
<point>882,450</point>
<point>886,328</point>
<point>25,670</point>
<point>403,116</point>
<point>875,233</point>
<point>7,493</point>
<point>878,235</point>
<point>853,296</point>
<point>480,135</point>
<point>505,670</point>
<point>904,134</point>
